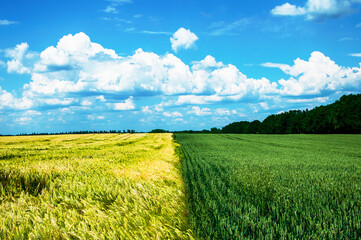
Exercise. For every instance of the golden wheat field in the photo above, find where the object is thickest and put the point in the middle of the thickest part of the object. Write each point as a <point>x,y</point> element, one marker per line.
<point>91,186</point>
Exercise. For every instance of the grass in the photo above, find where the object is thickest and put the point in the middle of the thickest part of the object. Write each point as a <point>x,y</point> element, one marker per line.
<point>103,186</point>
<point>273,186</point>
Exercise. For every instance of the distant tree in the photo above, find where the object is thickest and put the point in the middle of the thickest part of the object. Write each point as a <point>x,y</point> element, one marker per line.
<point>215,130</point>
<point>158,131</point>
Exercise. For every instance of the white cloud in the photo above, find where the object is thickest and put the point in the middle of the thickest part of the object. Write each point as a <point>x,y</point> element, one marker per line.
<point>66,75</point>
<point>207,62</point>
<point>8,100</point>
<point>128,104</point>
<point>222,112</point>
<point>155,32</point>
<point>283,67</point>
<point>264,105</point>
<point>316,10</point>
<point>159,108</point>
<point>199,111</point>
<point>78,65</point>
<point>86,103</point>
<point>317,75</point>
<point>358,25</point>
<point>194,99</point>
<point>17,54</point>
<point>101,98</point>
<point>95,117</point>
<point>23,120</point>
<point>146,109</point>
<point>58,101</point>
<point>7,22</point>
<point>355,54</point>
<point>32,113</point>
<point>111,9</point>
<point>173,114</point>
<point>288,10</point>
<point>183,38</point>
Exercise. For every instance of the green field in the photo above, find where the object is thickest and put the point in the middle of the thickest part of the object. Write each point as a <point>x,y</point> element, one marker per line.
<point>103,186</point>
<point>273,186</point>
<point>212,186</point>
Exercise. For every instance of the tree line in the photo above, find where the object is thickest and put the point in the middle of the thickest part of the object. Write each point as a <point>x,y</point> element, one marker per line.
<point>76,132</point>
<point>342,116</point>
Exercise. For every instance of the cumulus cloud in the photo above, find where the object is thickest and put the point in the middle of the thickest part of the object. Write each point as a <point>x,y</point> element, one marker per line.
<point>128,104</point>
<point>8,100</point>
<point>318,75</point>
<point>316,10</point>
<point>288,10</point>
<point>101,98</point>
<point>77,65</point>
<point>79,74</point>
<point>17,54</point>
<point>200,111</point>
<point>183,38</point>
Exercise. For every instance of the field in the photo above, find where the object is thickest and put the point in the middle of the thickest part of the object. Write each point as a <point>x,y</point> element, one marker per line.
<point>273,186</point>
<point>103,186</point>
<point>211,186</point>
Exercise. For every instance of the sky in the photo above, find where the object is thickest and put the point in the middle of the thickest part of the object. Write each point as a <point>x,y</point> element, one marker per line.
<point>176,65</point>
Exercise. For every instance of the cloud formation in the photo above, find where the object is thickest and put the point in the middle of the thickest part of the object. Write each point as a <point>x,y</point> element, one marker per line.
<point>78,75</point>
<point>316,10</point>
<point>183,38</point>
<point>128,104</point>
<point>5,22</point>
<point>317,75</point>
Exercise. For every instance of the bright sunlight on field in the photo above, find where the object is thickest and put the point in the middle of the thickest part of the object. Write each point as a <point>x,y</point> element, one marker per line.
<point>103,186</point>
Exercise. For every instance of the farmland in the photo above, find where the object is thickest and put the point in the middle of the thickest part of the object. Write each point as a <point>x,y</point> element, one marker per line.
<point>273,186</point>
<point>97,186</point>
<point>211,186</point>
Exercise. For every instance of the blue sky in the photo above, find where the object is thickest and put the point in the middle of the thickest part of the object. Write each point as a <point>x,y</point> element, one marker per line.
<point>137,64</point>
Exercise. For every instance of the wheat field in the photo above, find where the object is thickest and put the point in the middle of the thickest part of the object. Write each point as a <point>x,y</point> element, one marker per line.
<point>91,186</point>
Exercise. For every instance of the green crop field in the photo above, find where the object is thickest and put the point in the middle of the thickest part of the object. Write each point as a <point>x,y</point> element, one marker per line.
<point>103,186</point>
<point>273,186</point>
